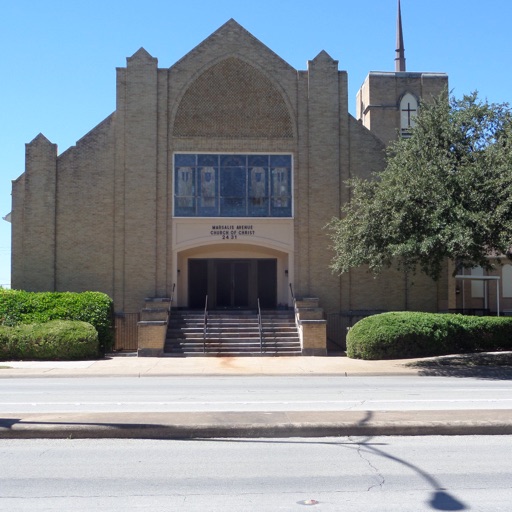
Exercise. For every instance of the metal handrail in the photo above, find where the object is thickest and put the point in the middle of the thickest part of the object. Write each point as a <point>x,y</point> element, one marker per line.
<point>205,323</point>
<point>295,310</point>
<point>260,327</point>
<point>169,309</point>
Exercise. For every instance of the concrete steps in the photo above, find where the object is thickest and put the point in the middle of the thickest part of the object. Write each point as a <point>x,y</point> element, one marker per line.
<point>231,333</point>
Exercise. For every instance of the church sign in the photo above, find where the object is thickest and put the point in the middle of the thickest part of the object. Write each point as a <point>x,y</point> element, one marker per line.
<point>232,232</point>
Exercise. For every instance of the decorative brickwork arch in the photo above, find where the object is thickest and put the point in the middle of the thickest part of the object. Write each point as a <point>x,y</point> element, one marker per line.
<point>232,99</point>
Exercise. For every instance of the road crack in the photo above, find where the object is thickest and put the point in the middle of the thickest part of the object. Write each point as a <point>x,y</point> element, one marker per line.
<point>380,477</point>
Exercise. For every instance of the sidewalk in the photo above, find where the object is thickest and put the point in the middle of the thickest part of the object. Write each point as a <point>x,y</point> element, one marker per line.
<point>117,366</point>
<point>175,425</point>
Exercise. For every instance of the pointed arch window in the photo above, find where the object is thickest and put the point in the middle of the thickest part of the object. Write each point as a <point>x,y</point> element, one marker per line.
<point>408,113</point>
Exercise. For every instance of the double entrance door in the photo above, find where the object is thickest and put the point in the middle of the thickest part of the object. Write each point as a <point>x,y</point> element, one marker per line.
<point>232,283</point>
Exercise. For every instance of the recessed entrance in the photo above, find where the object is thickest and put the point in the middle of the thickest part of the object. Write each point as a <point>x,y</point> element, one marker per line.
<point>232,280</point>
<point>232,283</point>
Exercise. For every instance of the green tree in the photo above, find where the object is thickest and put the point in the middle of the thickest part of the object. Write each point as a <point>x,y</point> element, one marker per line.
<point>446,192</point>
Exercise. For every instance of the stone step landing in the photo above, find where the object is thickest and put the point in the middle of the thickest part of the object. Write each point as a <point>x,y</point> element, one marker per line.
<point>231,333</point>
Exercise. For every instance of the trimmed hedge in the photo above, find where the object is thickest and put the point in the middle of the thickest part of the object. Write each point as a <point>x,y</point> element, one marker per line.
<point>21,307</point>
<point>54,340</point>
<point>401,335</point>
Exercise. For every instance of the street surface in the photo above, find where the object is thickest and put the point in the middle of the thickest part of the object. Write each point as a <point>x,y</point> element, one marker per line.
<point>379,474</point>
<point>232,393</point>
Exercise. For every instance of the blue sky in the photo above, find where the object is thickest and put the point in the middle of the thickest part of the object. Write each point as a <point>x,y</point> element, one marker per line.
<point>59,56</point>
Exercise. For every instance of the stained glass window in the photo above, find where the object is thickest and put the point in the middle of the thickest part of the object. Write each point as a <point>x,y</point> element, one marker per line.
<point>208,185</point>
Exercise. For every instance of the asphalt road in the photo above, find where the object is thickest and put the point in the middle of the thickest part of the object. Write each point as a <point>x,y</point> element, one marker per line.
<point>264,394</point>
<point>327,474</point>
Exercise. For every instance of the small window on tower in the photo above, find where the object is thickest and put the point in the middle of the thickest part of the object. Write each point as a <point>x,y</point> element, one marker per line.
<point>408,113</point>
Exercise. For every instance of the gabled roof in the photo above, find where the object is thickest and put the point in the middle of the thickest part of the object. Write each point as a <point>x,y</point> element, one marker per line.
<point>232,38</point>
<point>142,55</point>
<point>324,57</point>
<point>40,139</point>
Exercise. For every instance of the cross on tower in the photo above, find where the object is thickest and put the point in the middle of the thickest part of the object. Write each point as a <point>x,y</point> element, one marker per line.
<point>409,110</point>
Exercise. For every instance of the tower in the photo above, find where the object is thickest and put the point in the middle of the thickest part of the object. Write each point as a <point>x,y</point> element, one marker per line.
<point>387,102</point>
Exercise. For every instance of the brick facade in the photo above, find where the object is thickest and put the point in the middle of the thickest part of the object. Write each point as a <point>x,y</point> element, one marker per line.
<point>100,215</point>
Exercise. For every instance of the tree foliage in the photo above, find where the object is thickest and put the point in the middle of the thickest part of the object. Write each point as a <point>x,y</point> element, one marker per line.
<point>446,192</point>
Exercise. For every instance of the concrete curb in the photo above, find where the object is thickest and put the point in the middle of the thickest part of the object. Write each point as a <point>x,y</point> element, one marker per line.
<point>52,374</point>
<point>255,424</point>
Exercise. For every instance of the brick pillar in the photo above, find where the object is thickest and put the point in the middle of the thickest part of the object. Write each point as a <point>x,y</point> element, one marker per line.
<point>324,183</point>
<point>136,181</point>
<point>37,257</point>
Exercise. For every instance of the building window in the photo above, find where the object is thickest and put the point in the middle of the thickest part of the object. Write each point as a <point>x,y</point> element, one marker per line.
<point>408,113</point>
<point>211,185</point>
<point>506,279</point>
<point>477,285</point>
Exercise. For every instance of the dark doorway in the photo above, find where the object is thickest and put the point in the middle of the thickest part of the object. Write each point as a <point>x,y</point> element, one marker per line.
<point>197,283</point>
<point>267,283</point>
<point>232,283</point>
<point>232,279</point>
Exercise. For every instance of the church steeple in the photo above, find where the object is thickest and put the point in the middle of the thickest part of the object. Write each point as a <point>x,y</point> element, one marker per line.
<point>400,52</point>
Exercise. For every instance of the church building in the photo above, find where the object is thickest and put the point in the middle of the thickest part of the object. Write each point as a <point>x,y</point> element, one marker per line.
<point>216,178</point>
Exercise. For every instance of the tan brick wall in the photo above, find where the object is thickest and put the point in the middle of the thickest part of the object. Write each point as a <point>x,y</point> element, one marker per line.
<point>85,221</point>
<point>323,182</point>
<point>17,229</point>
<point>378,109</point>
<point>392,291</point>
<point>34,256</point>
<point>163,268</point>
<point>140,164</point>
<point>232,99</point>
<point>115,187</point>
<point>119,199</point>
<point>378,101</point>
<point>151,338</point>
<point>314,337</point>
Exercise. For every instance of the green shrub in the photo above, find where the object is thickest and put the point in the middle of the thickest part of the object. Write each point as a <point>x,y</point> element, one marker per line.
<point>54,340</point>
<point>21,307</point>
<point>400,335</point>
